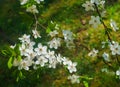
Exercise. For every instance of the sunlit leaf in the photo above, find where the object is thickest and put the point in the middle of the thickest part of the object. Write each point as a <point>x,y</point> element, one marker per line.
<point>10,63</point>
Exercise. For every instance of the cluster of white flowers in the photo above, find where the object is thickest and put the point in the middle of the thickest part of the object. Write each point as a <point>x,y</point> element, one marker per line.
<point>33,57</point>
<point>56,41</point>
<point>90,5</point>
<point>32,8</point>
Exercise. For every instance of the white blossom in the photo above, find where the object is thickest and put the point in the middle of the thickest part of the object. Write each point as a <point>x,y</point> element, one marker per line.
<point>106,56</point>
<point>54,43</point>
<point>115,48</point>
<point>50,54</point>
<point>22,49</point>
<point>72,67</point>
<point>16,62</point>
<point>53,33</point>
<point>103,13</point>
<point>65,61</point>
<point>24,64</point>
<point>88,6</point>
<point>36,34</point>
<point>38,1</point>
<point>25,38</point>
<point>113,25</point>
<point>30,53</point>
<point>32,9</point>
<point>53,62</point>
<point>98,2</point>
<point>41,50</point>
<point>13,46</point>
<point>74,79</point>
<point>95,21</point>
<point>41,60</point>
<point>22,2</point>
<point>118,72</point>
<point>68,35</point>
<point>59,58</point>
<point>93,53</point>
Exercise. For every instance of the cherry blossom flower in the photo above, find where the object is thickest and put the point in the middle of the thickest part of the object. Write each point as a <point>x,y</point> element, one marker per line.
<point>22,2</point>
<point>41,50</point>
<point>16,62</point>
<point>32,9</point>
<point>54,43</point>
<point>53,62</point>
<point>72,67</point>
<point>41,60</point>
<point>22,49</point>
<point>118,72</point>
<point>59,58</point>
<point>68,35</point>
<point>98,2</point>
<point>88,6</point>
<point>74,79</point>
<point>95,21</point>
<point>93,53</point>
<point>24,64</point>
<point>53,33</point>
<point>65,61</point>
<point>30,53</point>
<point>50,54</point>
<point>103,13</point>
<point>38,1</point>
<point>25,38</point>
<point>106,56</point>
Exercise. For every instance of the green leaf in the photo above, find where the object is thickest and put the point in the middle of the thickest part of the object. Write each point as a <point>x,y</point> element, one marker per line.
<point>10,63</point>
<point>48,30</point>
<point>20,74</point>
<point>17,79</point>
<point>19,58</point>
<point>85,83</point>
<point>4,52</point>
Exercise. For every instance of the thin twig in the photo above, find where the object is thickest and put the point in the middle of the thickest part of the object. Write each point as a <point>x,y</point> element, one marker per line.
<point>37,23</point>
<point>105,27</point>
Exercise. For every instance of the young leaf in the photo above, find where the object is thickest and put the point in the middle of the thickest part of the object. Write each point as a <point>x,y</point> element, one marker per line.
<point>48,30</point>
<point>10,63</point>
<point>85,83</point>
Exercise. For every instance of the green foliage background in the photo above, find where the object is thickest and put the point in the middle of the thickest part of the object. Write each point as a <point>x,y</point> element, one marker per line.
<point>69,14</point>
